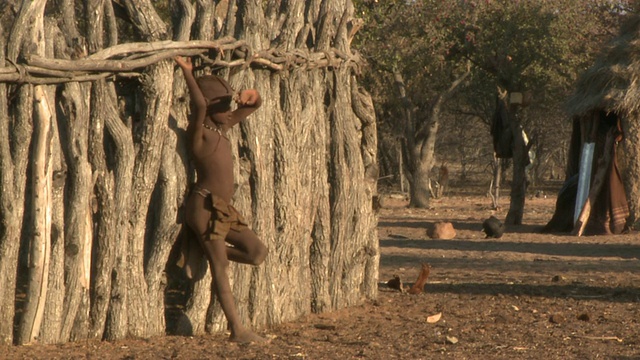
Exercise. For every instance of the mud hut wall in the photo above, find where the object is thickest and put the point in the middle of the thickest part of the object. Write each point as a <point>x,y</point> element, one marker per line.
<point>630,164</point>
<point>302,175</point>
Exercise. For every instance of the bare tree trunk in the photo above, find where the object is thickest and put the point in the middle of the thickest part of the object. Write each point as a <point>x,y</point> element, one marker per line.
<point>52,320</point>
<point>170,190</point>
<point>41,195</point>
<point>113,191</point>
<point>401,167</point>
<point>78,224</point>
<point>15,133</point>
<point>352,248</point>
<point>156,85</point>
<point>419,181</point>
<point>40,249</point>
<point>518,183</point>
<point>320,249</point>
<point>104,211</point>
<point>363,108</point>
<point>420,139</point>
<point>157,91</point>
<point>511,141</point>
<point>107,314</point>
<point>255,195</point>
<point>496,182</point>
<point>78,209</point>
<point>74,131</point>
<point>53,312</point>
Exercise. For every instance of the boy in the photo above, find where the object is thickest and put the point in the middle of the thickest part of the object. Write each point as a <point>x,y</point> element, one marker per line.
<point>208,210</point>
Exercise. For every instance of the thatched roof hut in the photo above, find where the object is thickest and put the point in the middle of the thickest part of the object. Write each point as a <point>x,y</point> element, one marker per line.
<point>612,84</point>
<point>605,108</point>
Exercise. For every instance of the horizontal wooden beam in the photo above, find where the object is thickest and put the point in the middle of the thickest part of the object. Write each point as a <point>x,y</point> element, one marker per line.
<point>130,59</point>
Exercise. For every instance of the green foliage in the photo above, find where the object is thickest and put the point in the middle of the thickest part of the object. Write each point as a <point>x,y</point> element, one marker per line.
<point>521,44</point>
<point>537,46</point>
<point>404,36</point>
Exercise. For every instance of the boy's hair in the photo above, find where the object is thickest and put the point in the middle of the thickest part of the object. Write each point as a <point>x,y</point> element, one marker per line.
<point>214,87</point>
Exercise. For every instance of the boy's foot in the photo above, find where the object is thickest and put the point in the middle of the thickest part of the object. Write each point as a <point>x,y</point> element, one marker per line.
<point>247,336</point>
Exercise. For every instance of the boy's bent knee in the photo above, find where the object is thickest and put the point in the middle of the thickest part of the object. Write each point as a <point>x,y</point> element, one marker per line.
<point>259,255</point>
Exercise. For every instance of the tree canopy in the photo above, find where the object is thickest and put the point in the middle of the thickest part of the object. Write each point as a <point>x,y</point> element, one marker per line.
<point>535,47</point>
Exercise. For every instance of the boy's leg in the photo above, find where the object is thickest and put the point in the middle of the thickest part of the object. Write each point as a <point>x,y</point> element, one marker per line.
<point>199,212</point>
<point>246,247</point>
<point>217,253</point>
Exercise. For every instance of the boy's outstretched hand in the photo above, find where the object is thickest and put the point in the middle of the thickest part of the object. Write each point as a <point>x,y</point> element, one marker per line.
<point>185,64</point>
<point>247,97</point>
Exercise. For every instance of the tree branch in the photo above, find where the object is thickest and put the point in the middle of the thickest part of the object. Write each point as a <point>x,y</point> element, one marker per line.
<point>131,57</point>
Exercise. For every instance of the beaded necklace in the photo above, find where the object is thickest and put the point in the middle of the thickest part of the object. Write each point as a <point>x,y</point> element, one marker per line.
<point>216,129</point>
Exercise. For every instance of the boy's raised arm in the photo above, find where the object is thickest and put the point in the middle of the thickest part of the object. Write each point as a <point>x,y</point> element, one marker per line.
<point>198,102</point>
<point>248,101</point>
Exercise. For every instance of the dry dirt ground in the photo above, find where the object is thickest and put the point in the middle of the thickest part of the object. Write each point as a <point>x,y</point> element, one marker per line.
<point>524,296</point>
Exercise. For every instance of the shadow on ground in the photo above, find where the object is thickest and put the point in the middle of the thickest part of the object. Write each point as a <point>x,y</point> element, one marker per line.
<point>562,291</point>
<point>624,251</point>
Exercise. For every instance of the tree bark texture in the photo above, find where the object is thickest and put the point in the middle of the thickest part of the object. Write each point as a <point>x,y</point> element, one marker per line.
<point>519,181</point>
<point>102,134</point>
<point>15,130</point>
<point>420,134</point>
<point>509,114</point>
<point>39,226</point>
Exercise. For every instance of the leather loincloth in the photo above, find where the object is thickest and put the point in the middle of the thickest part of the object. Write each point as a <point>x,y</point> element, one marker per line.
<point>224,218</point>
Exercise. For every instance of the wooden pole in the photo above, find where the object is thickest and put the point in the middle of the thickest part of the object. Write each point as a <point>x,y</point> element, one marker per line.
<point>401,167</point>
<point>40,244</point>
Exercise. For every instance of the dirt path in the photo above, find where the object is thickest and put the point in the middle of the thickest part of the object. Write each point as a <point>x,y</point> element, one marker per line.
<point>524,296</point>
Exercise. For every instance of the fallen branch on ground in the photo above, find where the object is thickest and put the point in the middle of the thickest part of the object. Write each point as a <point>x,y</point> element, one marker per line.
<point>600,337</point>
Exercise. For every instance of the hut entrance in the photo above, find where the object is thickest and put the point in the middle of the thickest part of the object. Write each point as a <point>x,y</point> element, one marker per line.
<point>592,200</point>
